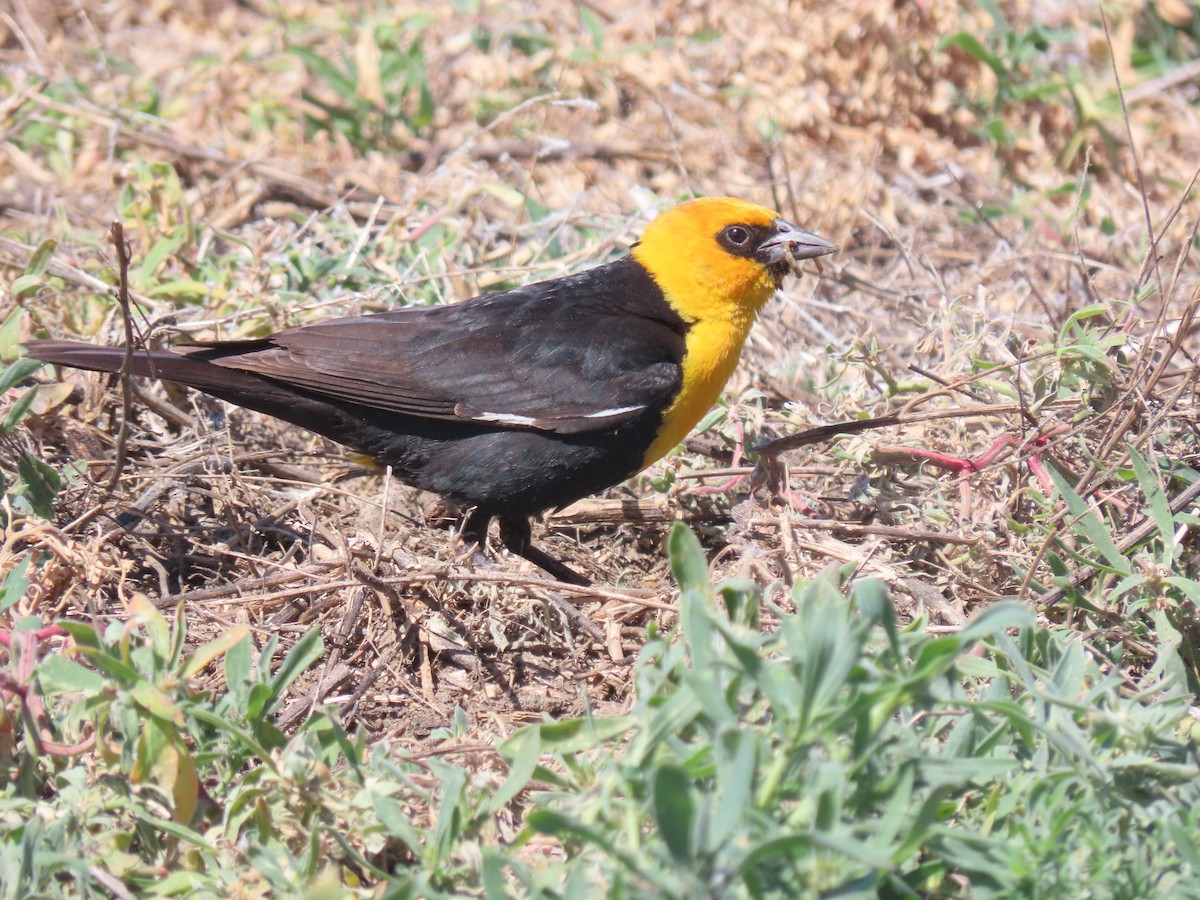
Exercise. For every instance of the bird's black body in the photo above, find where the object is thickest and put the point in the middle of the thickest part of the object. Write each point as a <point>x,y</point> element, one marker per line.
<point>511,403</point>
<point>523,400</point>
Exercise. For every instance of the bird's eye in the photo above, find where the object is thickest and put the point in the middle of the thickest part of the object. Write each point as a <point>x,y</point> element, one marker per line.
<point>737,235</point>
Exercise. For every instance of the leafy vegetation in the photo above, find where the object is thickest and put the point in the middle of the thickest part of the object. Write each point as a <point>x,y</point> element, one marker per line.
<point>835,751</point>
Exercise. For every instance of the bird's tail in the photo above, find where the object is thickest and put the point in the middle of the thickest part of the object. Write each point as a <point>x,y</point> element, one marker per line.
<point>162,364</point>
<point>370,431</point>
<point>196,367</point>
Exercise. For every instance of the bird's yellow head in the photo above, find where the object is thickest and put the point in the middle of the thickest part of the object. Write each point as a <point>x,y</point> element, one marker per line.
<point>720,259</point>
<point>717,261</point>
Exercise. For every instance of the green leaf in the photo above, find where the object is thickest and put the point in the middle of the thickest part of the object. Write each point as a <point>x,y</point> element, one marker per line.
<point>426,106</point>
<point>592,24</point>
<point>159,252</point>
<point>690,569</point>
<point>1089,521</point>
<point>303,654</point>
<point>936,656</point>
<point>24,286</point>
<point>15,584</point>
<point>174,829</point>
<point>1086,312</point>
<point>17,411</point>
<point>258,701</point>
<point>57,674</point>
<point>42,485</point>
<point>675,811</point>
<point>39,260</point>
<point>247,741</point>
<point>145,614</point>
<point>573,735</point>
<point>737,787</point>
<point>972,46</point>
<point>10,331</point>
<point>237,662</point>
<point>495,881</point>
<point>82,633</point>
<point>181,289</point>
<point>824,648</point>
<point>1185,586</point>
<point>343,86</point>
<point>18,372</point>
<point>156,702</point>
<point>801,844</point>
<point>217,647</point>
<point>507,195</point>
<point>1156,498</point>
<point>714,416</point>
<point>522,751</point>
<point>898,812</point>
<point>1185,840</point>
<point>396,822</point>
<point>997,618</point>
<point>178,639</point>
<point>871,595</point>
<point>545,821</point>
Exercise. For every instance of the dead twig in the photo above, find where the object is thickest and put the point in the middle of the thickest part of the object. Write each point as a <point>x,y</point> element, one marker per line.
<point>117,234</point>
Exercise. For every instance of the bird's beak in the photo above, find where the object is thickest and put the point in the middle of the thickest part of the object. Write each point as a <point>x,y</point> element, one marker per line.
<point>791,244</point>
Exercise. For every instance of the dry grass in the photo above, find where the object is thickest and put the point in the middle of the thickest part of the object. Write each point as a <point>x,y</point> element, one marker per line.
<point>847,117</point>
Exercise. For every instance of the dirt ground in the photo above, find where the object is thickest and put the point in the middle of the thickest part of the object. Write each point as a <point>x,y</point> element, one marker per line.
<point>536,139</point>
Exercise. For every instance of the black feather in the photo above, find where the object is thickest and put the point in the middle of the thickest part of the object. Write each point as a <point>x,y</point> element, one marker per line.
<point>512,402</point>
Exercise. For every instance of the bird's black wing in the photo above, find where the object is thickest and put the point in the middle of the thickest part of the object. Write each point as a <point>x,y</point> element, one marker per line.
<point>577,354</point>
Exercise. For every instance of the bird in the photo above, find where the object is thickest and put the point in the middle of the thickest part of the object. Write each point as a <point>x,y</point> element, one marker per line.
<point>518,401</point>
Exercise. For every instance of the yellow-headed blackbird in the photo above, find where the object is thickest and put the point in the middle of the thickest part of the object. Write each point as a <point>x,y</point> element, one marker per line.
<point>523,400</point>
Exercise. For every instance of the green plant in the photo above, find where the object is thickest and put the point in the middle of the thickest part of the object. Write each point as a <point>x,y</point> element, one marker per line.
<point>28,483</point>
<point>378,97</point>
<point>127,698</point>
<point>1018,61</point>
<point>775,749</point>
<point>157,213</point>
<point>1031,74</point>
<point>841,753</point>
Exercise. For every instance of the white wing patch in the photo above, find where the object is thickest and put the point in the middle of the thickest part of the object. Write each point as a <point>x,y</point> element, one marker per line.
<point>505,419</point>
<point>519,421</point>
<point>607,413</point>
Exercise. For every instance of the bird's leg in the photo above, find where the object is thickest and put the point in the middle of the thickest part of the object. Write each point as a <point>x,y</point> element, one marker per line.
<point>517,535</point>
<point>474,531</point>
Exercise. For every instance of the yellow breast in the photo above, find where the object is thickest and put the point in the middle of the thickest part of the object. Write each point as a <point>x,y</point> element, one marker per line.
<point>716,293</point>
<point>712,356</point>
